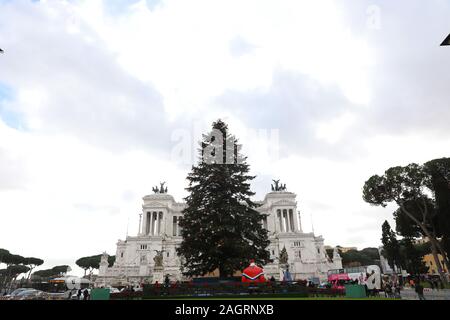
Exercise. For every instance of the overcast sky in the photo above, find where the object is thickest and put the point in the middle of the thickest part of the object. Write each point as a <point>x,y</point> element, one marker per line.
<point>94,96</point>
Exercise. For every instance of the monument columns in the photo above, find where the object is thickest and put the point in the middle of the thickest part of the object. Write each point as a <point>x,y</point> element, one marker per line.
<point>152,224</point>
<point>276,221</point>
<point>150,229</point>
<point>292,224</point>
<point>143,223</point>
<point>293,220</point>
<point>298,221</point>
<point>160,218</point>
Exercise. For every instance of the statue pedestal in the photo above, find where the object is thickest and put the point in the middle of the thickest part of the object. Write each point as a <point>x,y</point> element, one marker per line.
<point>143,270</point>
<point>158,275</point>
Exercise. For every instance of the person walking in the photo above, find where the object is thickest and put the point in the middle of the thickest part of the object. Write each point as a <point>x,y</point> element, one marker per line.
<point>431,282</point>
<point>436,284</point>
<point>167,281</point>
<point>86,294</point>
<point>419,291</point>
<point>387,290</point>
<point>272,283</point>
<point>397,291</point>
<point>79,294</point>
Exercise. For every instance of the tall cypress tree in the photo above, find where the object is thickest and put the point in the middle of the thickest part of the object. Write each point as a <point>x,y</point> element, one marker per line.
<point>221,229</point>
<point>391,246</point>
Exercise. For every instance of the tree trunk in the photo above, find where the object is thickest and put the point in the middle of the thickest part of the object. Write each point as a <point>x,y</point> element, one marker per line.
<point>442,251</point>
<point>7,275</point>
<point>2,282</point>
<point>13,279</point>
<point>443,254</point>
<point>29,273</point>
<point>433,242</point>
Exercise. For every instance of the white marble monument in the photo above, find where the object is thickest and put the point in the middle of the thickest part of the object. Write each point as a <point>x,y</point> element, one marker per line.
<point>151,254</point>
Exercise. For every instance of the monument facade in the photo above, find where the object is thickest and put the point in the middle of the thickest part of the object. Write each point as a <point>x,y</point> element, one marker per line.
<point>151,254</point>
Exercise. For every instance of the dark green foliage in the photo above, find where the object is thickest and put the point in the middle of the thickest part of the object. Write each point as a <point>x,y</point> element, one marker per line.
<point>89,263</point>
<point>439,171</point>
<point>446,245</point>
<point>111,260</point>
<point>30,261</point>
<point>61,269</point>
<point>398,184</point>
<point>330,253</point>
<point>13,259</point>
<point>15,266</point>
<point>93,262</point>
<point>422,196</point>
<point>412,257</point>
<point>53,272</point>
<point>361,258</point>
<point>403,253</point>
<point>364,257</point>
<point>403,224</point>
<point>3,255</point>
<point>33,263</point>
<point>371,253</point>
<point>423,248</point>
<point>220,227</point>
<point>16,270</point>
<point>391,246</point>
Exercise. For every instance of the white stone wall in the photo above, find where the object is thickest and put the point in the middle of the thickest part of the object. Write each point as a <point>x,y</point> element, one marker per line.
<point>134,256</point>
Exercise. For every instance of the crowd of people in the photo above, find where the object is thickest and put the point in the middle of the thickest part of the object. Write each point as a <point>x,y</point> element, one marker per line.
<point>81,294</point>
<point>392,288</point>
<point>393,285</point>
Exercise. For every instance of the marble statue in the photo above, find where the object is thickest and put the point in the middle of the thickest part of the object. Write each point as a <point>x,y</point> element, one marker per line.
<point>161,189</point>
<point>283,256</point>
<point>158,259</point>
<point>277,186</point>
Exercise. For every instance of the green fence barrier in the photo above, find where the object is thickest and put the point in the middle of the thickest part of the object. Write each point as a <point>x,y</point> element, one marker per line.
<point>355,291</point>
<point>100,294</point>
<point>230,289</point>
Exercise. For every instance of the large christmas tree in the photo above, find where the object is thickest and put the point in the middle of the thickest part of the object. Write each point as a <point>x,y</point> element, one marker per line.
<point>220,227</point>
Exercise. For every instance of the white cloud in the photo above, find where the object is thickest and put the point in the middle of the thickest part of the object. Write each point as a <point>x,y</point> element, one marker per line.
<point>76,198</point>
<point>169,45</point>
<point>331,131</point>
